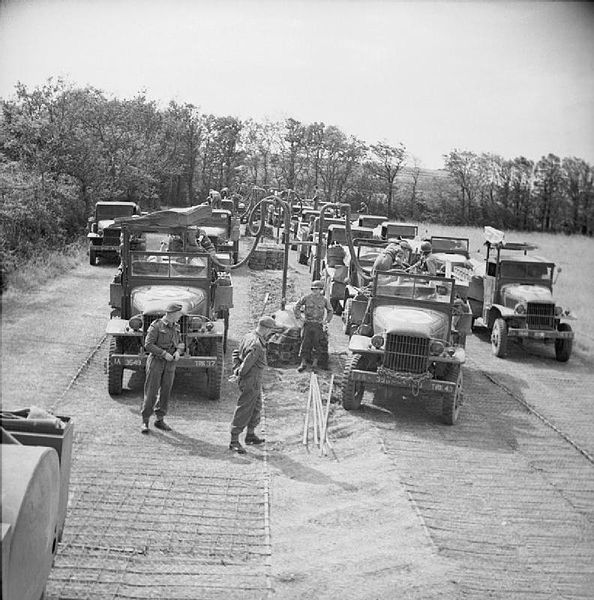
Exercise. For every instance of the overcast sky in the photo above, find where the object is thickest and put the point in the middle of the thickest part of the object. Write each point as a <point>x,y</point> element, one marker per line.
<point>510,78</point>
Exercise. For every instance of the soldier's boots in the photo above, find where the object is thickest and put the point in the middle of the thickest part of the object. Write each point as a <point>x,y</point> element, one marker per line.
<point>253,439</point>
<point>237,447</point>
<point>314,364</point>
<point>302,366</point>
<point>160,424</point>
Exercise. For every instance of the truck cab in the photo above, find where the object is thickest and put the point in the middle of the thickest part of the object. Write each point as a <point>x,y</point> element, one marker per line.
<point>103,234</point>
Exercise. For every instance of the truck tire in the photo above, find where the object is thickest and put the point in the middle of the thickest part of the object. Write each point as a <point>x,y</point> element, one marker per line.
<point>352,391</point>
<point>92,257</point>
<point>346,316</point>
<point>115,373</point>
<point>450,403</point>
<point>563,346</point>
<point>499,338</point>
<point>214,375</point>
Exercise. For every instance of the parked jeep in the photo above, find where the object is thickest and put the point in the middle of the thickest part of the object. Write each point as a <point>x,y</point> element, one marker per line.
<point>104,235</point>
<point>514,298</point>
<point>412,339</point>
<point>149,279</point>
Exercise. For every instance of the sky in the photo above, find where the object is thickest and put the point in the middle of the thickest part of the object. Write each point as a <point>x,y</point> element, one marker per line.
<point>515,79</point>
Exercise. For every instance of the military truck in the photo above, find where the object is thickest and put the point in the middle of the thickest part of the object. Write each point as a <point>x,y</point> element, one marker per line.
<point>514,298</point>
<point>335,265</point>
<point>222,227</point>
<point>104,234</point>
<point>149,279</point>
<point>412,339</point>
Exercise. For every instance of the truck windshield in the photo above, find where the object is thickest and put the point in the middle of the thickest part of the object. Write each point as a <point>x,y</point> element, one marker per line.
<point>111,211</point>
<point>161,265</point>
<point>391,230</point>
<point>525,271</point>
<point>416,288</point>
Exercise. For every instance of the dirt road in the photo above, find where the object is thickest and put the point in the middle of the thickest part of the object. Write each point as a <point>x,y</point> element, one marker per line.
<point>499,506</point>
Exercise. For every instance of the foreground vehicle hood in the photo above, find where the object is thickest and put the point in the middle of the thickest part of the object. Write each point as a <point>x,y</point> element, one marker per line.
<point>455,259</point>
<point>513,293</point>
<point>410,321</point>
<point>104,224</point>
<point>218,232</point>
<point>153,299</point>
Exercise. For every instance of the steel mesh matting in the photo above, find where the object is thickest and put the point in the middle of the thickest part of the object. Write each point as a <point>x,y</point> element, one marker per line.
<point>163,532</point>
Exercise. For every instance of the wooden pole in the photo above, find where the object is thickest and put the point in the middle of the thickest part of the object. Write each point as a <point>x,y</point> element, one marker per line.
<point>326,415</point>
<point>306,424</point>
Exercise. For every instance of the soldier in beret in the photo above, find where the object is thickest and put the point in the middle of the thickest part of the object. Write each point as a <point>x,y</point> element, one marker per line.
<point>249,360</point>
<point>163,342</point>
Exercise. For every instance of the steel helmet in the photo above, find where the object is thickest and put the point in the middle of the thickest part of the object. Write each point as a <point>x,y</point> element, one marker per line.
<point>317,285</point>
<point>426,247</point>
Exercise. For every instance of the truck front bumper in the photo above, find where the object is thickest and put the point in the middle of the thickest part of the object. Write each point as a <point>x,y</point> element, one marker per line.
<point>134,361</point>
<point>405,381</point>
<point>539,334</point>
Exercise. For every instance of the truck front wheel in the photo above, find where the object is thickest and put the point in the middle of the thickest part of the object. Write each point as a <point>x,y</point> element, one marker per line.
<point>563,346</point>
<point>499,338</point>
<point>451,403</point>
<point>92,257</point>
<point>115,373</point>
<point>214,375</point>
<point>352,391</point>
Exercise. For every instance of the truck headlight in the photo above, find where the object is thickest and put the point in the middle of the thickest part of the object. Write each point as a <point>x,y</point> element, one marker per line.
<point>436,347</point>
<point>135,323</point>
<point>558,311</point>
<point>520,308</point>
<point>377,341</point>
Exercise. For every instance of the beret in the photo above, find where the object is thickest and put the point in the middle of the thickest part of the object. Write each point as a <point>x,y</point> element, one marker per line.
<point>268,322</point>
<point>173,307</point>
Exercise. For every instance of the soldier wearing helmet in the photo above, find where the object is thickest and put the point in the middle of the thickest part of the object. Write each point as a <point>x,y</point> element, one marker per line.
<point>428,262</point>
<point>317,312</point>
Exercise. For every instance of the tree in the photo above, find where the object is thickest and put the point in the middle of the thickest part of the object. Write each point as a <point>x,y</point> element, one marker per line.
<point>387,162</point>
<point>462,166</point>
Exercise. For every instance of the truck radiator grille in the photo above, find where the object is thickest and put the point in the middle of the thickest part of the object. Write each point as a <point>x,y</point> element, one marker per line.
<point>408,354</point>
<point>111,238</point>
<point>540,316</point>
<point>183,322</point>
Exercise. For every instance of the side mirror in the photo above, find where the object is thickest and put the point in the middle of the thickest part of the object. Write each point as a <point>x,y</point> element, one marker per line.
<point>559,270</point>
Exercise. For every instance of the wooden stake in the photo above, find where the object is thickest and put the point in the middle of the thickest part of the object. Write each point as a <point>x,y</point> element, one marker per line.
<point>306,424</point>
<point>327,413</point>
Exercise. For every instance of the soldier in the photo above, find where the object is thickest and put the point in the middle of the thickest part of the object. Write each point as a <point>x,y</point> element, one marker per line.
<point>163,342</point>
<point>249,360</point>
<point>428,262</point>
<point>317,312</point>
<point>391,257</point>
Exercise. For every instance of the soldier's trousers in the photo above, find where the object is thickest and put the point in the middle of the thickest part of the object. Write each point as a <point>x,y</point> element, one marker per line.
<point>314,338</point>
<point>159,375</point>
<point>249,404</point>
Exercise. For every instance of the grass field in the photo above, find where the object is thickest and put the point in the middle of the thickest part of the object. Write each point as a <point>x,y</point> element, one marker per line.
<point>573,254</point>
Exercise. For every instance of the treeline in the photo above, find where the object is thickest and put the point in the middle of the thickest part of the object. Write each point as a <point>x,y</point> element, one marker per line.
<point>63,148</point>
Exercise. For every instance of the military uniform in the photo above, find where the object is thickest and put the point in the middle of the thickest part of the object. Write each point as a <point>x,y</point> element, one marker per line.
<point>313,336</point>
<point>388,258</point>
<point>249,361</point>
<point>162,338</point>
